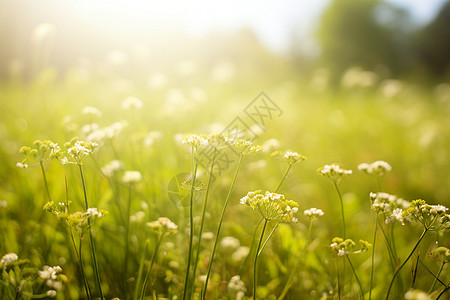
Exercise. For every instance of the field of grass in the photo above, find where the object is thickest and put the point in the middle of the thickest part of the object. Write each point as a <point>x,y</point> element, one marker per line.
<point>132,257</point>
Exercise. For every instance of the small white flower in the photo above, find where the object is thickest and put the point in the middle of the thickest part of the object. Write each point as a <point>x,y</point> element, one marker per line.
<point>229,243</point>
<point>132,102</point>
<point>112,167</point>
<point>51,293</point>
<point>49,272</point>
<point>92,111</point>
<point>21,165</point>
<point>8,258</point>
<point>93,212</point>
<point>313,212</point>
<point>131,177</point>
<point>240,253</point>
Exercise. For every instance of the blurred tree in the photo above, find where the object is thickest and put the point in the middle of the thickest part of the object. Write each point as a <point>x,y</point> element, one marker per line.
<point>365,33</point>
<point>433,43</point>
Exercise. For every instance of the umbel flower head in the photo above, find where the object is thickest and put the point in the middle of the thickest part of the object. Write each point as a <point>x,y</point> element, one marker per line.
<point>242,146</point>
<point>377,168</point>
<point>163,225</point>
<point>433,217</point>
<point>290,156</point>
<point>77,151</point>
<point>390,206</point>
<point>313,212</point>
<point>130,177</point>
<point>195,140</point>
<point>271,206</point>
<point>8,259</point>
<point>346,247</point>
<point>39,152</point>
<point>334,172</point>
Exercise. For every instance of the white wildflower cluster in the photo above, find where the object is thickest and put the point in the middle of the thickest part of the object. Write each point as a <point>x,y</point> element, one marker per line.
<point>8,259</point>
<point>271,145</point>
<point>413,294</point>
<point>108,132</point>
<point>130,177</point>
<point>78,151</point>
<point>236,287</point>
<point>39,152</point>
<point>229,243</point>
<point>112,167</point>
<point>390,206</point>
<point>50,275</point>
<point>271,206</point>
<point>195,140</point>
<point>77,219</point>
<point>334,172</point>
<point>345,247</point>
<point>132,103</point>
<point>431,216</point>
<point>377,168</point>
<point>240,254</point>
<point>313,212</point>
<point>242,146</point>
<point>92,111</point>
<point>290,156</point>
<point>93,212</point>
<point>163,225</point>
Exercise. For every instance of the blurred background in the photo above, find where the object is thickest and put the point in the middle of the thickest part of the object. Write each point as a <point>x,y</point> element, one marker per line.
<point>401,38</point>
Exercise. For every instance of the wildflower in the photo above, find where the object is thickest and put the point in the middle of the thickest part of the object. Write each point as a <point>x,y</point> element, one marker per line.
<point>242,146</point>
<point>163,225</point>
<point>92,111</point>
<point>312,212</point>
<point>240,253</point>
<point>229,243</point>
<point>290,156</point>
<point>78,151</point>
<point>93,212</point>
<point>132,102</point>
<point>271,145</point>
<point>195,140</point>
<point>112,167</point>
<point>390,206</point>
<point>21,165</point>
<point>378,168</point>
<point>51,293</point>
<point>334,172</point>
<point>271,206</point>
<point>48,272</point>
<point>8,259</point>
<point>131,177</point>
<point>39,152</point>
<point>345,247</point>
<point>237,287</point>
<point>428,214</point>
<point>413,294</point>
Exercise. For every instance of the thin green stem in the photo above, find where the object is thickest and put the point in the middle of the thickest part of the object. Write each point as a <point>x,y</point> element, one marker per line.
<point>405,261</point>
<point>45,181</point>
<point>144,287</point>
<point>373,256</point>
<point>388,246</point>
<point>289,282</point>
<point>267,239</point>
<point>356,277</point>
<point>85,281</point>
<point>284,177</point>
<point>140,271</point>
<point>127,238</point>
<point>251,246</point>
<point>91,239</point>
<point>436,278</point>
<point>203,220</point>
<point>191,221</point>
<point>443,292</point>
<point>220,225</point>
<point>255,265</point>
<point>342,209</point>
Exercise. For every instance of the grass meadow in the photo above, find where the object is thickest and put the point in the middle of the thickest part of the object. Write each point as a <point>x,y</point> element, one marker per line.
<point>121,198</point>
